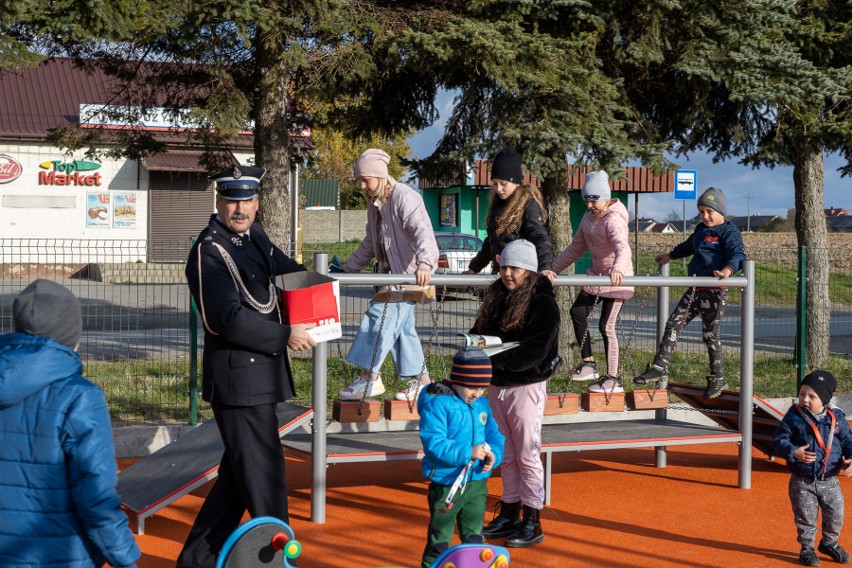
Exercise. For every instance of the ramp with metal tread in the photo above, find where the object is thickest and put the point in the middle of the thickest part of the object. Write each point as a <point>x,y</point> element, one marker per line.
<point>159,479</point>
<point>724,411</point>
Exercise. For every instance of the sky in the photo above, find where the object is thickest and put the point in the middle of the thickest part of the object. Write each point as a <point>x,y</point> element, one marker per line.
<point>761,191</point>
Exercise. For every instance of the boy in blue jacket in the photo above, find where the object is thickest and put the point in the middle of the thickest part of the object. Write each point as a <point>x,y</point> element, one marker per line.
<point>717,250</point>
<point>57,463</point>
<point>815,439</point>
<point>461,445</point>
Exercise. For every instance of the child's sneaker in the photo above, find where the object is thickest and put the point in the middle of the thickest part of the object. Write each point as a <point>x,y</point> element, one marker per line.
<point>362,383</point>
<point>653,374</point>
<point>715,386</point>
<point>607,385</point>
<point>585,371</point>
<point>412,391</point>
<point>807,557</point>
<point>835,551</point>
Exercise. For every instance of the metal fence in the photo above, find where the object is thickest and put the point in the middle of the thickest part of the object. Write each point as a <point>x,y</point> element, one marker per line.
<point>136,339</point>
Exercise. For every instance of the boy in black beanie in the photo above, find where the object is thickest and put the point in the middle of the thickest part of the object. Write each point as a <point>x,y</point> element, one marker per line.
<point>461,447</point>
<point>815,439</point>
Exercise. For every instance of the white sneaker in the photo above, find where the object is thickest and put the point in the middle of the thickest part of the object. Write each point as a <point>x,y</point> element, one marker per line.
<point>413,390</point>
<point>362,382</point>
<point>607,385</point>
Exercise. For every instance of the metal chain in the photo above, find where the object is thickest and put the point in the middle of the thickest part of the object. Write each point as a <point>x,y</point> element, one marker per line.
<point>373,358</point>
<point>433,340</point>
<point>707,410</point>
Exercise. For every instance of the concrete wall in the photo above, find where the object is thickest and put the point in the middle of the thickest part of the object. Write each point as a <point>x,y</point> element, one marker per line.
<point>332,226</point>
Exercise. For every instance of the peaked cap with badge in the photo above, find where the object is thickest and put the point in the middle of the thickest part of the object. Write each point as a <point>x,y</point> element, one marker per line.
<point>238,182</point>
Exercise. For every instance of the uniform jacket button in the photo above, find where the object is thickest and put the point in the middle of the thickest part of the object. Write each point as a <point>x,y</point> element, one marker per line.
<point>252,359</point>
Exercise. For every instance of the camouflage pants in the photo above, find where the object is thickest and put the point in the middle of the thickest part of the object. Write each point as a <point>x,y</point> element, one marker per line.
<point>808,496</point>
<point>710,304</point>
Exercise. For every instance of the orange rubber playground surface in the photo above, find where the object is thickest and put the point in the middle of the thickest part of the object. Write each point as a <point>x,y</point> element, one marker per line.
<point>609,508</point>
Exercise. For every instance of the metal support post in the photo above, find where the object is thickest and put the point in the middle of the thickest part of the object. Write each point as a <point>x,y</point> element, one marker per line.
<point>319,392</point>
<point>746,374</point>
<point>661,414</point>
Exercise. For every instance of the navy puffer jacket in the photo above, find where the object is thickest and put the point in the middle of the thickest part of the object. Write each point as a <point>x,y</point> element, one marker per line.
<point>58,503</point>
<point>793,432</point>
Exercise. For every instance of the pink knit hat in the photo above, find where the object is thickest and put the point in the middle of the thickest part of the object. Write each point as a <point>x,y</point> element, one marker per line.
<point>372,163</point>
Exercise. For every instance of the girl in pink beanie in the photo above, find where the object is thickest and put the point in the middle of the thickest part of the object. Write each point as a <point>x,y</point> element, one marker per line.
<point>372,163</point>
<point>399,236</point>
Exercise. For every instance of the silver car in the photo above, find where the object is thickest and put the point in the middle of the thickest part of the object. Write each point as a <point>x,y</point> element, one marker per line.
<point>455,251</point>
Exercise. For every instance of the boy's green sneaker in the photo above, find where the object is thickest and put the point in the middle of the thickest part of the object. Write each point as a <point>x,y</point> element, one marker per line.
<point>653,374</point>
<point>715,386</point>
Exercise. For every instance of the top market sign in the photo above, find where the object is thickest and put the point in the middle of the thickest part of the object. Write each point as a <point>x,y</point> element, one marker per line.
<point>57,173</point>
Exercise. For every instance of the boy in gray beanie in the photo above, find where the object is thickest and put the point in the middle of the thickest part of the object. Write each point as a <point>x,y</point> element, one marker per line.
<point>56,428</point>
<point>45,308</point>
<point>716,247</point>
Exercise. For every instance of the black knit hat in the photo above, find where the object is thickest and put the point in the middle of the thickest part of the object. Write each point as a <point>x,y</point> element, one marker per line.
<point>823,383</point>
<point>45,308</point>
<point>506,165</point>
<point>471,368</point>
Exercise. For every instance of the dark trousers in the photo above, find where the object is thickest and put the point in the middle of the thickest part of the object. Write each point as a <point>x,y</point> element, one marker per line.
<point>710,304</point>
<point>468,511</point>
<point>251,477</point>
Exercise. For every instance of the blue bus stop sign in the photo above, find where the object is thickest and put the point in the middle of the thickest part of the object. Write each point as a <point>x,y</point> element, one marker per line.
<point>685,184</point>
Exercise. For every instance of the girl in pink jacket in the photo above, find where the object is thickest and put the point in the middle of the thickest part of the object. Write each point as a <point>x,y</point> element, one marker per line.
<point>603,232</point>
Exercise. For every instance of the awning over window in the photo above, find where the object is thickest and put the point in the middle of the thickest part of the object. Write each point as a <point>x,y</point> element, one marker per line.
<point>184,161</point>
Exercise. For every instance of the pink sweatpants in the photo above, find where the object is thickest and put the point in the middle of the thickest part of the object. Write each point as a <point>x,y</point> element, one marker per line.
<point>519,412</point>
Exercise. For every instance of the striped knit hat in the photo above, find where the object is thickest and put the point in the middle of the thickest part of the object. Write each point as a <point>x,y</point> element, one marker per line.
<point>471,368</point>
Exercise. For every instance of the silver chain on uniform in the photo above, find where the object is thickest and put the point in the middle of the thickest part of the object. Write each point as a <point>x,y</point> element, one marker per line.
<point>241,287</point>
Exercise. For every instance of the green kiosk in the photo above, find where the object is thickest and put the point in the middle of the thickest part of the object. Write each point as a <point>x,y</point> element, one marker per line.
<point>458,202</point>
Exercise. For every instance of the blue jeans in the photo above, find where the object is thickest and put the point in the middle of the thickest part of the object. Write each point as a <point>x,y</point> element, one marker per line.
<point>398,337</point>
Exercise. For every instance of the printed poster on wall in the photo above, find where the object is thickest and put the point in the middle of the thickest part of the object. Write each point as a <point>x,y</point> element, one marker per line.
<point>97,209</point>
<point>124,210</point>
<point>449,208</point>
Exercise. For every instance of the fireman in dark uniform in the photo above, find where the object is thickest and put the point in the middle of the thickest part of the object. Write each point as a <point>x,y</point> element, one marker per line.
<point>231,271</point>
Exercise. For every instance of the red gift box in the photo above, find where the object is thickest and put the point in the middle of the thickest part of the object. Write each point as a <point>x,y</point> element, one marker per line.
<point>310,297</point>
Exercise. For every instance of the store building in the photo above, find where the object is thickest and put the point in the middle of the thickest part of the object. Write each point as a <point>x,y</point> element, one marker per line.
<point>160,201</point>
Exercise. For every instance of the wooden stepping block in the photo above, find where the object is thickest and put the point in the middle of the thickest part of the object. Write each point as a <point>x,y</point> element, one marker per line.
<point>602,402</point>
<point>347,411</point>
<point>399,410</point>
<point>564,403</point>
<point>648,399</point>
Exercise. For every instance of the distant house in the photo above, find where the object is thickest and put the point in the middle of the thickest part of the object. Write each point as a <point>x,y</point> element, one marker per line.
<point>663,228</point>
<point>835,212</point>
<point>319,193</point>
<point>839,223</point>
<point>644,224</point>
<point>690,224</point>
<point>753,223</point>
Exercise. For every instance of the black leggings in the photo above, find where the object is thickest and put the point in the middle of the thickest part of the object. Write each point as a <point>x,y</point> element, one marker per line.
<point>610,308</point>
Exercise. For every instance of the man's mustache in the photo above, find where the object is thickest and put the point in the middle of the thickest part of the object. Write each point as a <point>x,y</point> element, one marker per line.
<point>239,217</point>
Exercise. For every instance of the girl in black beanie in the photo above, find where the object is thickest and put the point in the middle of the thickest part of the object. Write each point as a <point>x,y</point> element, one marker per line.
<point>516,211</point>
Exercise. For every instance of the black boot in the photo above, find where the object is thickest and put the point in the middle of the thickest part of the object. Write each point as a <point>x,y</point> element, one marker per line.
<point>530,531</point>
<point>504,524</point>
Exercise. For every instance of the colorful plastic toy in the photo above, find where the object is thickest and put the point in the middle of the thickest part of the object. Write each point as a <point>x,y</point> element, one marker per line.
<point>473,556</point>
<point>264,541</point>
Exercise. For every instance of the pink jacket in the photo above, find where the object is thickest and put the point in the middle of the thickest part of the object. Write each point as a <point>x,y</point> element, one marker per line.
<point>407,234</point>
<point>607,240</point>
